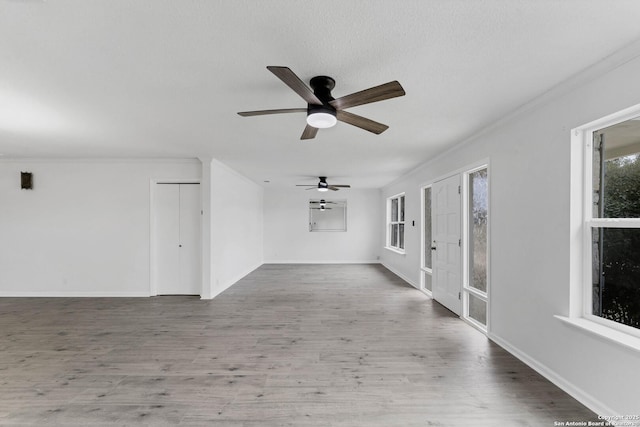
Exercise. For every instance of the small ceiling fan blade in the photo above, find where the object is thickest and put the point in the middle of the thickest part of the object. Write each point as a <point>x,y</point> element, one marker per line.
<point>341,185</point>
<point>367,96</point>
<point>290,79</point>
<point>265,112</point>
<point>361,122</point>
<point>309,132</point>
<point>333,188</point>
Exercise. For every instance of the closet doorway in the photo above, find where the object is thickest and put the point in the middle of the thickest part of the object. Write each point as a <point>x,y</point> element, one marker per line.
<point>176,244</point>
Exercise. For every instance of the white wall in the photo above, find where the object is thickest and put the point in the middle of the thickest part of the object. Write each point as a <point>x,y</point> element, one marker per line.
<point>287,235</point>
<point>530,235</point>
<point>84,228</point>
<point>236,230</point>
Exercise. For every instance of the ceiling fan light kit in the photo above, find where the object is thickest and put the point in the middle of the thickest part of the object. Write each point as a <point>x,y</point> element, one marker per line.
<point>323,110</point>
<point>321,120</point>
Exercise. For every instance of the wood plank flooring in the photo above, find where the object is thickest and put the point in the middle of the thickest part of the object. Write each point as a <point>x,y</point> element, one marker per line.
<point>289,345</point>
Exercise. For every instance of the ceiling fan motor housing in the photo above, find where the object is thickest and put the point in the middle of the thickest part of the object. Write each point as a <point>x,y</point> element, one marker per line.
<point>322,185</point>
<point>322,86</point>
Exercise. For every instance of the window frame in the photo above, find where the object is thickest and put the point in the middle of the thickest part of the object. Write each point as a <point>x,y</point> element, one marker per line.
<point>424,270</point>
<point>582,223</point>
<point>467,269</point>
<point>400,221</point>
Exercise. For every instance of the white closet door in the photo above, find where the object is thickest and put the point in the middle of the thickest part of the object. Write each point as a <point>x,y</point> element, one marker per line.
<point>177,236</point>
<point>190,218</point>
<point>167,236</point>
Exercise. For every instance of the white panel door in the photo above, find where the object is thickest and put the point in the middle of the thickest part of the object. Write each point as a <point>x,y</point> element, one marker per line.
<point>447,283</point>
<point>190,218</point>
<point>177,237</point>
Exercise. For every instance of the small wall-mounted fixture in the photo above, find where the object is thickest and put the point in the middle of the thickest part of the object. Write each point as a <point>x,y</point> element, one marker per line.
<point>26,180</point>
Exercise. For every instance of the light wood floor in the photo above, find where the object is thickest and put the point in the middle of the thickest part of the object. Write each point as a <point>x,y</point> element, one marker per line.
<point>290,345</point>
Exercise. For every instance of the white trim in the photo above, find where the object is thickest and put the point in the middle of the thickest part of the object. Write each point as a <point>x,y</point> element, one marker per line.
<point>402,276</point>
<point>396,250</point>
<point>72,294</point>
<point>312,261</point>
<point>475,324</point>
<point>478,293</point>
<point>600,68</point>
<point>97,160</point>
<point>153,261</point>
<point>580,395</point>
<point>624,339</point>
<point>614,222</point>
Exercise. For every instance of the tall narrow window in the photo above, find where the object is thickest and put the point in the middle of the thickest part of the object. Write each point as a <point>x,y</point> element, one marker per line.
<point>614,224</point>
<point>477,244</point>
<point>478,202</point>
<point>395,229</point>
<point>427,241</point>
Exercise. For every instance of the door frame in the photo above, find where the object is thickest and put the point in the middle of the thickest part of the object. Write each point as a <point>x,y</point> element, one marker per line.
<point>424,270</point>
<point>153,256</point>
<point>463,172</point>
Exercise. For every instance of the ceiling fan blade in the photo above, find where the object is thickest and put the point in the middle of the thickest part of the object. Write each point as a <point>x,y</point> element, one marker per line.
<point>309,132</point>
<point>265,112</point>
<point>361,122</point>
<point>313,188</point>
<point>333,188</point>
<point>374,94</point>
<point>341,186</point>
<point>290,79</point>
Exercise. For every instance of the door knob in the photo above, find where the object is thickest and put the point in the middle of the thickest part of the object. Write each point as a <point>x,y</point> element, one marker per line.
<point>433,248</point>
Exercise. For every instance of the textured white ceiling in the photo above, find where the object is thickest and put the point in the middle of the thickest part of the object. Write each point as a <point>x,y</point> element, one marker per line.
<point>159,78</point>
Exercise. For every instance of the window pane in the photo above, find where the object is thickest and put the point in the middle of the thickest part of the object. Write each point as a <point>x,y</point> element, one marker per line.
<point>477,309</point>
<point>394,210</point>
<point>394,235</point>
<point>401,208</point>
<point>616,277</point>
<point>616,171</point>
<point>427,228</point>
<point>401,236</point>
<point>478,202</point>
<point>427,281</point>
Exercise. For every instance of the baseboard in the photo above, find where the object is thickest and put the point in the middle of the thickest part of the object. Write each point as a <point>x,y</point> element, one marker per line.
<point>580,395</point>
<point>72,294</point>
<point>402,276</point>
<point>297,261</point>
<point>233,281</point>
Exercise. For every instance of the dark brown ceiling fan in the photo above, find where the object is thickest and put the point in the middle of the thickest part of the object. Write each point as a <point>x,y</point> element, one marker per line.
<point>323,110</point>
<point>323,186</point>
<point>322,202</point>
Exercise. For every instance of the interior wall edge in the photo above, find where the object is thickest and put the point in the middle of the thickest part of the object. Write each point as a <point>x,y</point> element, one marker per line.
<point>227,284</point>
